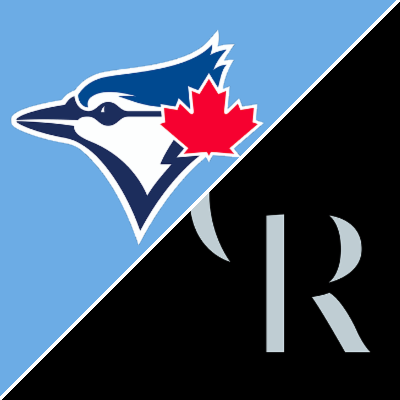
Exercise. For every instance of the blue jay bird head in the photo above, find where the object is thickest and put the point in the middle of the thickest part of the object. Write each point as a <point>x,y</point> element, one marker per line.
<point>115,118</point>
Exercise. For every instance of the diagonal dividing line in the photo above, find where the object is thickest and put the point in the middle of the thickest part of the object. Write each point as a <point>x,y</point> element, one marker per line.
<point>201,197</point>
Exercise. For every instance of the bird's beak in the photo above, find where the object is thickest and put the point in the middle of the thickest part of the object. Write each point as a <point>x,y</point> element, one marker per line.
<point>55,119</point>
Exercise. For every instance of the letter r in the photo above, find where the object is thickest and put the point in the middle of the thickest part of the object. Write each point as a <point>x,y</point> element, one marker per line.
<point>333,311</point>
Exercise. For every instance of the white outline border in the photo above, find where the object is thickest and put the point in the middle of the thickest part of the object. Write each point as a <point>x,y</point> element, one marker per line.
<point>199,199</point>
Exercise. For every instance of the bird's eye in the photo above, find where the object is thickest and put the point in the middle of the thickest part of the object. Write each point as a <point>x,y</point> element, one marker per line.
<point>108,114</point>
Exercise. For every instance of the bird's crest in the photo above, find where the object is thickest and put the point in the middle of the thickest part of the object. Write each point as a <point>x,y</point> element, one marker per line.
<point>165,83</point>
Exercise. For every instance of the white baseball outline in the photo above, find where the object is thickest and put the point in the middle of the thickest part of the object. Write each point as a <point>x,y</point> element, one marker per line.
<point>139,232</point>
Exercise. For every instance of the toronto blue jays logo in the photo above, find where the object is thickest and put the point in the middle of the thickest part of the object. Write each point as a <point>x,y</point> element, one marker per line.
<point>147,128</point>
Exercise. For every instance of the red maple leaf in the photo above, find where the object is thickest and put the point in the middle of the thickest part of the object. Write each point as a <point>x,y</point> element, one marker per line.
<point>209,127</point>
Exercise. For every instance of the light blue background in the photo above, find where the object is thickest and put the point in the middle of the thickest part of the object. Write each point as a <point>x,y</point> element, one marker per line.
<point>64,235</point>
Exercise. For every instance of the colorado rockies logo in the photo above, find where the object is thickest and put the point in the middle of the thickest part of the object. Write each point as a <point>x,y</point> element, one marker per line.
<point>333,311</point>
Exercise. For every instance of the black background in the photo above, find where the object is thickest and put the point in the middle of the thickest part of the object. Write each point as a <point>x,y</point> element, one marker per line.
<point>334,154</point>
